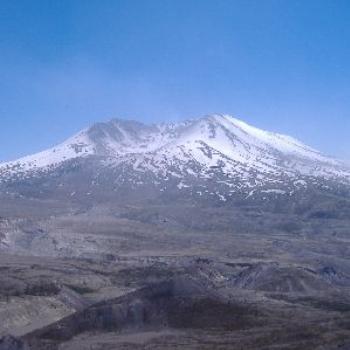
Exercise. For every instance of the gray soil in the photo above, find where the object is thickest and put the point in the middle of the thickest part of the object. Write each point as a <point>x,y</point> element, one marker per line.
<point>136,275</point>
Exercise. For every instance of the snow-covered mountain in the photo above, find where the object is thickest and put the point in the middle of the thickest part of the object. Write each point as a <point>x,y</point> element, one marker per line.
<point>215,149</point>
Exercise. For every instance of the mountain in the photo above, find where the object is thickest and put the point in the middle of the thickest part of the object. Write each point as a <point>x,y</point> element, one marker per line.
<point>214,157</point>
<point>211,228</point>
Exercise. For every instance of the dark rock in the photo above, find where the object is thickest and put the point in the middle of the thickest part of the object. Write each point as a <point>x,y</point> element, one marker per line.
<point>9,342</point>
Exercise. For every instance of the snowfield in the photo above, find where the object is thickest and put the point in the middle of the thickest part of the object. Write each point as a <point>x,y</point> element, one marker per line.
<point>199,147</point>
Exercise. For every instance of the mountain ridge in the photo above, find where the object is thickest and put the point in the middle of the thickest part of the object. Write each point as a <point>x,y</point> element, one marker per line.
<point>216,148</point>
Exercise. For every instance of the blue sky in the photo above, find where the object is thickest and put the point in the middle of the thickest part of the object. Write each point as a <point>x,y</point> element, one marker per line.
<point>281,65</point>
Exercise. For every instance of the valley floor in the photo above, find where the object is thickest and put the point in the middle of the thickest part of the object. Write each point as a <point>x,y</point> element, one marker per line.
<point>106,278</point>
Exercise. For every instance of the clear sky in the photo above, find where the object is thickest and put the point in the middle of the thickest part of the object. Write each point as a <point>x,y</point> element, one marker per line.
<point>282,65</point>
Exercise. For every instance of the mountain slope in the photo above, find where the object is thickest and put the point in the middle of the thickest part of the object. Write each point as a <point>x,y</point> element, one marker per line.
<point>219,153</point>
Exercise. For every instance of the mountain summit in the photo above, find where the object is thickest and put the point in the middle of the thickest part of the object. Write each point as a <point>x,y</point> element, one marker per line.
<point>222,155</point>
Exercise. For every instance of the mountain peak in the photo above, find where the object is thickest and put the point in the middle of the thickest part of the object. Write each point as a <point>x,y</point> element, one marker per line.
<point>189,148</point>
